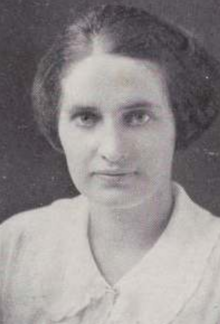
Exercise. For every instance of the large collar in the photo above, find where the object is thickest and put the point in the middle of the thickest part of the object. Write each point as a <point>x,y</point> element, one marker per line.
<point>160,285</point>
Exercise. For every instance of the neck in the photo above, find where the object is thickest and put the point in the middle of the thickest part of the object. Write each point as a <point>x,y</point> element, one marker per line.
<point>134,227</point>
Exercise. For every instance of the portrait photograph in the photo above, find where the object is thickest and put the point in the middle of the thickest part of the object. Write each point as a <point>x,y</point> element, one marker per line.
<point>109,162</point>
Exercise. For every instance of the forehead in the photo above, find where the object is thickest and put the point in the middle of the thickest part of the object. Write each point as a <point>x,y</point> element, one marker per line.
<point>102,78</point>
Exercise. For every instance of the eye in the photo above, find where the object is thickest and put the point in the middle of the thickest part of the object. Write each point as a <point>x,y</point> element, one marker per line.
<point>85,119</point>
<point>136,118</point>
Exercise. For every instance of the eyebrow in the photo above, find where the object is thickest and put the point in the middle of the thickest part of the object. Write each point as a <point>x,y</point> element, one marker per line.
<point>82,108</point>
<point>138,104</point>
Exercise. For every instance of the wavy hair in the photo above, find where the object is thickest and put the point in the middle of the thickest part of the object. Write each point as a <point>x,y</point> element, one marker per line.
<point>192,75</point>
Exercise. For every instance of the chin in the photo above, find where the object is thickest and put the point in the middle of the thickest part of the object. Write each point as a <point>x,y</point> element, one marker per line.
<point>116,200</point>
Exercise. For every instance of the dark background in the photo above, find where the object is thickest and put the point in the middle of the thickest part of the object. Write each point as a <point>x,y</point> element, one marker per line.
<point>31,173</point>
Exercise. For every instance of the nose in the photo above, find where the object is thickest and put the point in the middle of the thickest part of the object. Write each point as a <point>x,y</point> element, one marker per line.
<point>113,146</point>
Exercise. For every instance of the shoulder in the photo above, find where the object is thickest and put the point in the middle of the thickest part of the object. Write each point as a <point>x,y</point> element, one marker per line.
<point>35,247</point>
<point>197,227</point>
<point>48,219</point>
<point>192,212</point>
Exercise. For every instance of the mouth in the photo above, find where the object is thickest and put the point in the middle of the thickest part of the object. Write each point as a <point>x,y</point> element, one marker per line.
<point>115,178</point>
<point>114,174</point>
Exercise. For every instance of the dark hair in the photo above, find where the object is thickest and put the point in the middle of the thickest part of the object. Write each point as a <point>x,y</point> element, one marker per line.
<point>192,75</point>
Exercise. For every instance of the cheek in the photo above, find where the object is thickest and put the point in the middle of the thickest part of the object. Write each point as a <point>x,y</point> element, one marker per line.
<point>78,152</point>
<point>76,156</point>
<point>156,149</point>
<point>78,166</point>
<point>74,143</point>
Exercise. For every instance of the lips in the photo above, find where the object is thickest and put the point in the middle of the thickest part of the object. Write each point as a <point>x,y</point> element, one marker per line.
<point>115,178</point>
<point>111,173</point>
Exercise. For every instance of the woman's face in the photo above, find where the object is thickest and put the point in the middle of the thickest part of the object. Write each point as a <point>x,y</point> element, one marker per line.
<point>117,129</point>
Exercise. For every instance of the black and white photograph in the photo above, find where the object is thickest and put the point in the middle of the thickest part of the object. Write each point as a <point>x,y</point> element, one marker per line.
<point>109,162</point>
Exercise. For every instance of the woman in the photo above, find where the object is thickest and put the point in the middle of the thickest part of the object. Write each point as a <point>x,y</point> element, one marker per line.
<point>118,93</point>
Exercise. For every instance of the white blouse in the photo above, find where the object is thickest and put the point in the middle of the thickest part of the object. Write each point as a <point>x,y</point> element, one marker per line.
<point>48,273</point>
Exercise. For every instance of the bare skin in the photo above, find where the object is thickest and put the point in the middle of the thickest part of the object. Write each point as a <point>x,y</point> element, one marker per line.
<point>120,238</point>
<point>118,133</point>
